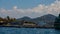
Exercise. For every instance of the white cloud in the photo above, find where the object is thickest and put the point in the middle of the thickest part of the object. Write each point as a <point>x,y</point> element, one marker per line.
<point>41,9</point>
<point>15,7</point>
<point>53,8</point>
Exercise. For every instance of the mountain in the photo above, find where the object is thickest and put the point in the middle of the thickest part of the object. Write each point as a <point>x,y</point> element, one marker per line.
<point>25,18</point>
<point>45,17</point>
<point>48,19</point>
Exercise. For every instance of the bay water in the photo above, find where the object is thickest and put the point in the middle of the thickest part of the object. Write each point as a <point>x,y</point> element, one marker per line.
<point>9,30</point>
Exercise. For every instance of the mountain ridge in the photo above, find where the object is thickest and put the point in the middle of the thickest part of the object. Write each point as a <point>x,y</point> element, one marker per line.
<point>49,19</point>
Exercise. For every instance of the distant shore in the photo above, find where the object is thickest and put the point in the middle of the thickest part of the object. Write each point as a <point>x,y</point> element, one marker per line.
<point>26,27</point>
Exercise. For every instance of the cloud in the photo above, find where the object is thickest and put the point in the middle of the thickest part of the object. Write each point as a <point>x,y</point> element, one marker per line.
<point>15,7</point>
<point>37,11</point>
<point>53,8</point>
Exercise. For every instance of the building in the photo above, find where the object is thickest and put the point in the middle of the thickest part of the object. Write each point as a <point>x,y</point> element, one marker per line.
<point>29,24</point>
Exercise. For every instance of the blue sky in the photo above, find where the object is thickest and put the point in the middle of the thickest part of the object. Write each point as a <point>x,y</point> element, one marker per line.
<point>30,8</point>
<point>8,4</point>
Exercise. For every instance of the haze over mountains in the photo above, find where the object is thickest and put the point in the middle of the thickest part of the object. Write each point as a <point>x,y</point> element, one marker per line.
<point>47,19</point>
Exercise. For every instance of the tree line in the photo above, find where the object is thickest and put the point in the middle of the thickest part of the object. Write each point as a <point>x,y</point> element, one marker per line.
<point>57,22</point>
<point>6,20</point>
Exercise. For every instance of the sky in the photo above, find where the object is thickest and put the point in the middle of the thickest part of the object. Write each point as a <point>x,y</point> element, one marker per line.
<point>30,8</point>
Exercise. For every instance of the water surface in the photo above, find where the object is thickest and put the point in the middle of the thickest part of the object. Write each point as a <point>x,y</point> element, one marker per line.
<point>7,30</point>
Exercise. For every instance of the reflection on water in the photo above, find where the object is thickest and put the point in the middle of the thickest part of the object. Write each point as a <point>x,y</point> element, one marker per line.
<point>6,30</point>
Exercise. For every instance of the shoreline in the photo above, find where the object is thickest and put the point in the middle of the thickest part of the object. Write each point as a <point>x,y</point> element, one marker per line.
<point>28,27</point>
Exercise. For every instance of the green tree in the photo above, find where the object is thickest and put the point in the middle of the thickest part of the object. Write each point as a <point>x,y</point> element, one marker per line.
<point>8,17</point>
<point>1,18</point>
<point>57,22</point>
